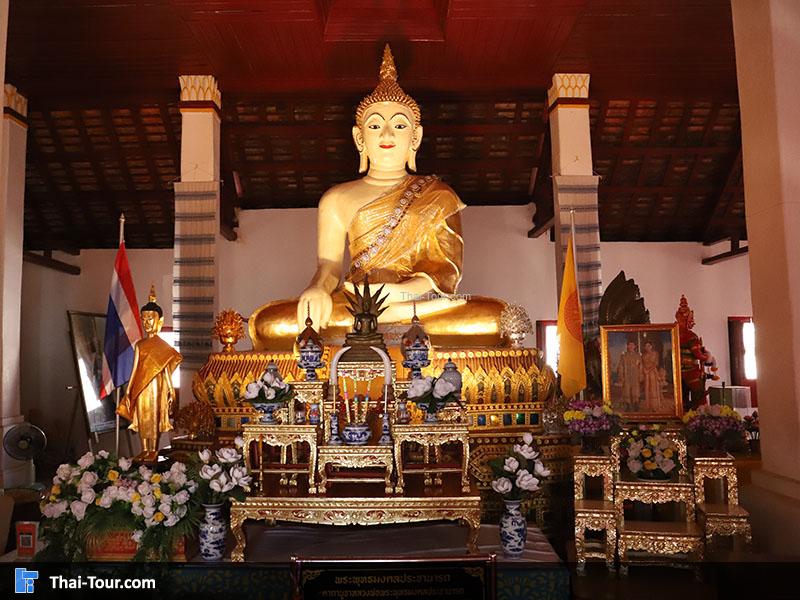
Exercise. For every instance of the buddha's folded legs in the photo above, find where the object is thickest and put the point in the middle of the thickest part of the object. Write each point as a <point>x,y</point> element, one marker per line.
<point>474,321</point>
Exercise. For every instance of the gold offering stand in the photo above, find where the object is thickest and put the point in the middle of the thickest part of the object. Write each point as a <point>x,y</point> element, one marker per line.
<point>431,435</point>
<point>701,520</point>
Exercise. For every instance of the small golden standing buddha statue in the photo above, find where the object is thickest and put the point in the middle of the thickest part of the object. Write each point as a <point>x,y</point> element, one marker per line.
<point>403,231</point>
<point>148,400</point>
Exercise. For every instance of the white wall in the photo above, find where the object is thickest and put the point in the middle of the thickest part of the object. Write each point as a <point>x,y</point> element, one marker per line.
<point>274,258</point>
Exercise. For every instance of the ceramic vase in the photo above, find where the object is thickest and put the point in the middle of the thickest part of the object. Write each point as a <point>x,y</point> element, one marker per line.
<point>213,530</point>
<point>513,530</point>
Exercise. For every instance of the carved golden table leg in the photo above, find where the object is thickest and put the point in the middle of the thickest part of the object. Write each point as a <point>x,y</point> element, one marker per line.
<point>389,487</point>
<point>284,479</point>
<point>465,467</point>
<point>426,459</point>
<point>398,461</point>
<point>237,527</point>
<point>322,486</point>
<point>437,454</point>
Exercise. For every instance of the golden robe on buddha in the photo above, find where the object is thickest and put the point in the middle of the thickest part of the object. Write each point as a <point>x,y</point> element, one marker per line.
<point>413,229</point>
<point>146,403</point>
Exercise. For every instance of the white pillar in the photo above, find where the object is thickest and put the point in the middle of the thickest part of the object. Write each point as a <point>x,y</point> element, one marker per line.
<point>575,189</point>
<point>765,33</point>
<point>12,195</point>
<point>197,196</point>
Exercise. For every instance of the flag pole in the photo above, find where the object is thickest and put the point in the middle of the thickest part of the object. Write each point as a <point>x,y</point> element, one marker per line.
<point>116,390</point>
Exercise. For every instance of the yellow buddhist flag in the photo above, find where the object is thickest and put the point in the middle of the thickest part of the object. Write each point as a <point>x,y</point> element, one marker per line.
<point>571,365</point>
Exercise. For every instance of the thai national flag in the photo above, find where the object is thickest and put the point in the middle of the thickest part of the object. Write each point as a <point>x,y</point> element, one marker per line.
<point>123,326</point>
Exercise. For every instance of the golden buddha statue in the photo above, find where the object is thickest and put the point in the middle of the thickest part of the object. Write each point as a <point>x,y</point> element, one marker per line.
<point>148,400</point>
<point>403,231</point>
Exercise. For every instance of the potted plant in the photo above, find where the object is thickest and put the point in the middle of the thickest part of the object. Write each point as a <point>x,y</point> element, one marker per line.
<point>592,423</point>
<point>103,509</point>
<point>714,429</point>
<point>432,394</point>
<point>649,454</point>
<point>221,476</point>
<point>517,475</point>
<point>268,393</point>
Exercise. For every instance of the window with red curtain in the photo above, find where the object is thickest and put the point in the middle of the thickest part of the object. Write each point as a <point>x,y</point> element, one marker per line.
<point>741,340</point>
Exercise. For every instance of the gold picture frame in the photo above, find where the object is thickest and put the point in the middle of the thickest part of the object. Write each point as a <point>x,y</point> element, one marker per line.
<point>642,371</point>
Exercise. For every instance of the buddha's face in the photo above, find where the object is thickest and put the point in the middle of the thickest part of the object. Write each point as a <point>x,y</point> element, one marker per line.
<point>151,322</point>
<point>388,135</point>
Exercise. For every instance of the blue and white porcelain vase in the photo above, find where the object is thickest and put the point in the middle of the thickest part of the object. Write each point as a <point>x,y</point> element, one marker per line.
<point>513,530</point>
<point>213,530</point>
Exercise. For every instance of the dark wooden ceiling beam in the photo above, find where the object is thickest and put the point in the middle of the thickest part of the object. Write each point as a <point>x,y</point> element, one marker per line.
<point>713,218</point>
<point>432,165</point>
<point>166,205</point>
<point>670,190</point>
<point>343,130</point>
<point>46,260</point>
<point>608,151</point>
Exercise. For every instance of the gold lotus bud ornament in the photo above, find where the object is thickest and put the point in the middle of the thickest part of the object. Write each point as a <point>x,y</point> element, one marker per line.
<point>229,328</point>
<point>515,323</point>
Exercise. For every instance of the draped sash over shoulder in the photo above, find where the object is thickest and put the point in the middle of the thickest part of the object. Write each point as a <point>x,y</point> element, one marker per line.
<point>409,231</point>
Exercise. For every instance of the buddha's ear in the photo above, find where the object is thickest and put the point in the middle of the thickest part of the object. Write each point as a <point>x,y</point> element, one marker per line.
<point>416,140</point>
<point>160,324</point>
<point>363,159</point>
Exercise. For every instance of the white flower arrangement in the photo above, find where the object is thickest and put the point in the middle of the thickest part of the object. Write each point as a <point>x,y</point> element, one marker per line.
<point>267,388</point>
<point>519,473</point>
<point>221,475</point>
<point>433,393</point>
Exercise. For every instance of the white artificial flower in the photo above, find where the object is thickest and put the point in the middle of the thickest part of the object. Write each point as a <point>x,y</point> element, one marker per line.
<point>57,480</point>
<point>239,477</point>
<point>136,536</point>
<point>634,465</point>
<point>54,510</point>
<point>205,455</point>
<point>210,471</point>
<point>106,500</point>
<point>149,511</point>
<point>191,485</point>
<point>525,451</point>
<point>540,470</point>
<point>64,472</point>
<point>125,463</point>
<point>228,455</point>
<point>511,465</point>
<point>103,454</point>
<point>442,388</point>
<point>171,520</point>
<point>166,499</point>
<point>137,509</point>
<point>252,390</point>
<point>86,460</point>
<point>239,441</point>
<point>181,511</point>
<point>78,509</point>
<point>144,488</point>
<point>635,449</point>
<point>165,508</point>
<point>178,479</point>
<point>181,497</point>
<point>269,393</point>
<point>88,479</point>
<point>149,501</point>
<point>88,496</point>
<point>527,438</point>
<point>502,485</point>
<point>526,481</point>
<point>219,483</point>
<point>268,378</point>
<point>178,467</point>
<point>667,465</point>
<point>419,387</point>
<point>145,473</point>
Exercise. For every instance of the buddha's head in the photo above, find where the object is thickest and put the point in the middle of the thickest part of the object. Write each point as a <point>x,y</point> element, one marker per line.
<point>387,132</point>
<point>152,315</point>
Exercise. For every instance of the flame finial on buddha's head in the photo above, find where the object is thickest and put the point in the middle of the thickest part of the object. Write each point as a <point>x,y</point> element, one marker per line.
<point>388,90</point>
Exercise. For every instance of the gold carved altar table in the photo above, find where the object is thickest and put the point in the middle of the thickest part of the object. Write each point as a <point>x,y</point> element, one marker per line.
<point>595,514</point>
<point>341,511</point>
<point>283,436</point>
<point>656,537</point>
<point>719,468</point>
<point>355,457</point>
<point>430,435</point>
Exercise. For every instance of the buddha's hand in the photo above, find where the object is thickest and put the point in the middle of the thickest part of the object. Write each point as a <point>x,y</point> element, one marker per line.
<point>317,303</point>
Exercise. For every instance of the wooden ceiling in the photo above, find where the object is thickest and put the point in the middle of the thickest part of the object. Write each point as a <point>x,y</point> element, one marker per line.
<point>101,78</point>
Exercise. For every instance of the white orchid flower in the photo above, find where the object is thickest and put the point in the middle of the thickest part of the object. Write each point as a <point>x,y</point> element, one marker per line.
<point>525,451</point>
<point>228,455</point>
<point>502,485</point>
<point>527,438</point>
<point>210,471</point>
<point>511,464</point>
<point>205,455</point>
<point>526,481</point>
<point>442,388</point>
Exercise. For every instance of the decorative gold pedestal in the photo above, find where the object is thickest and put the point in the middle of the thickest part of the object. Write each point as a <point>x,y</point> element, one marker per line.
<point>596,515</point>
<point>356,457</point>
<point>430,435</point>
<point>725,519</point>
<point>659,538</point>
<point>283,436</point>
<point>715,467</point>
<point>356,511</point>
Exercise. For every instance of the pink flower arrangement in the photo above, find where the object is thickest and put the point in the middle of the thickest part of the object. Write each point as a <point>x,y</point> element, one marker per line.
<point>714,427</point>
<point>585,418</point>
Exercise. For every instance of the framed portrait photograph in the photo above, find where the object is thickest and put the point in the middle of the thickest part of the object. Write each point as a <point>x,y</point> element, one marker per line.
<point>641,371</point>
